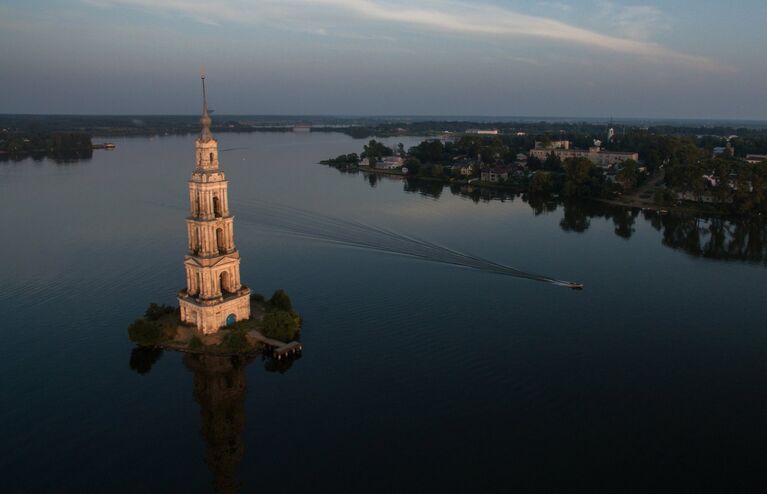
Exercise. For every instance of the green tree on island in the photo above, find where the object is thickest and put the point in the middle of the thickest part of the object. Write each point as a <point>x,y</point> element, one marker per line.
<point>375,150</point>
<point>552,163</point>
<point>413,166</point>
<point>751,189</point>
<point>280,325</point>
<point>534,163</point>
<point>541,183</point>
<point>280,300</point>
<point>629,174</point>
<point>580,177</point>
<point>431,151</point>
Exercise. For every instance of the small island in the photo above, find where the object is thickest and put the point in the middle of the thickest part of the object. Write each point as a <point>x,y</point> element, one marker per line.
<point>217,313</point>
<point>272,328</point>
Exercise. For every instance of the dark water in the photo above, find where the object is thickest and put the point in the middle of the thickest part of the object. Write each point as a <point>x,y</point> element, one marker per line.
<point>416,376</point>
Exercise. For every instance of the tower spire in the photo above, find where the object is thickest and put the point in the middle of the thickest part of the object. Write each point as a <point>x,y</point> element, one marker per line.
<point>205,119</point>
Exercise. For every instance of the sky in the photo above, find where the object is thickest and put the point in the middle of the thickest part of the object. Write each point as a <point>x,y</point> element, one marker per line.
<point>579,58</point>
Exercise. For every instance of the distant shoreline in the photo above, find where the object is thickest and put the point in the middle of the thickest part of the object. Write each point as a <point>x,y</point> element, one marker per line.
<point>359,127</point>
<point>292,119</point>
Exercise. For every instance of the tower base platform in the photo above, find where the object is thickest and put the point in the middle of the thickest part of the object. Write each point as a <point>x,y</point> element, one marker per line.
<point>211,315</point>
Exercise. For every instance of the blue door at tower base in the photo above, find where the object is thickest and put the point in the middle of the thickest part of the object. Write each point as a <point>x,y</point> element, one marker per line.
<point>231,319</point>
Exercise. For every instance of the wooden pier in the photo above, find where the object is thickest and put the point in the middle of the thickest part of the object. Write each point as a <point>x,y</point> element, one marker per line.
<point>292,349</point>
<point>280,349</point>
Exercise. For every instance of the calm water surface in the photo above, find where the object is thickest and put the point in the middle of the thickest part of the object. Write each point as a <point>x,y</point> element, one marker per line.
<point>416,376</point>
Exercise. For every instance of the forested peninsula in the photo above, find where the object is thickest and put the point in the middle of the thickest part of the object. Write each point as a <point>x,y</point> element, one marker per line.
<point>706,173</point>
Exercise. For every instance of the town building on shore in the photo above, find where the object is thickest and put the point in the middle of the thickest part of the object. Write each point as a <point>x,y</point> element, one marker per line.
<point>595,154</point>
<point>463,168</point>
<point>214,296</point>
<point>483,132</point>
<point>390,163</point>
<point>727,151</point>
<point>756,158</point>
<point>495,174</point>
<point>552,145</point>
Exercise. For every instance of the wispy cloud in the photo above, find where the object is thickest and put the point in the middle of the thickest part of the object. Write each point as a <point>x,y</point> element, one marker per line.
<point>450,17</point>
<point>640,22</point>
<point>555,6</point>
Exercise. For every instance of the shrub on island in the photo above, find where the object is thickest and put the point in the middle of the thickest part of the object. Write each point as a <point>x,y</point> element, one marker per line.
<point>236,341</point>
<point>280,321</point>
<point>281,301</point>
<point>157,326</point>
<point>280,325</point>
<point>144,332</point>
<point>195,343</point>
<point>154,312</point>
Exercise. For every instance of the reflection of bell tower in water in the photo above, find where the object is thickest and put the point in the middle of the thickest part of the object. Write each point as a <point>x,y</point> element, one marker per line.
<point>219,388</point>
<point>214,296</point>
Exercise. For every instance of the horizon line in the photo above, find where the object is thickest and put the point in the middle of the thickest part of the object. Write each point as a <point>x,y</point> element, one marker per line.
<point>396,115</point>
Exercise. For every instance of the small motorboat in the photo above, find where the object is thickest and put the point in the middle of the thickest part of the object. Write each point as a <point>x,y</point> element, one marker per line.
<point>575,286</point>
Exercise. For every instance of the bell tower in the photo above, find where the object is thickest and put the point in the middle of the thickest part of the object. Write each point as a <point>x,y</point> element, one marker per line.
<point>214,296</point>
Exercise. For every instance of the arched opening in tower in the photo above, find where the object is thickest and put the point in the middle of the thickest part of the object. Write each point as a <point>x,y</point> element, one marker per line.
<point>224,280</point>
<point>220,241</point>
<point>217,207</point>
<point>196,240</point>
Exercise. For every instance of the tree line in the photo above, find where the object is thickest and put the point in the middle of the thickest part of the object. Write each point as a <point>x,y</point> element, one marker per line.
<point>57,145</point>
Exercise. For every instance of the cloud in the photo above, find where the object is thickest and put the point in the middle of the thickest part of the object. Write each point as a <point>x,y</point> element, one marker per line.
<point>555,6</point>
<point>449,17</point>
<point>640,22</point>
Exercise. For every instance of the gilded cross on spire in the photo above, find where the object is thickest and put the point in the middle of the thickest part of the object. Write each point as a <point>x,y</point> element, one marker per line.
<point>205,120</point>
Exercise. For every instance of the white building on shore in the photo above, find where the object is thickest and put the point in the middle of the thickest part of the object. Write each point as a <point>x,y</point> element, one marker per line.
<point>483,132</point>
<point>756,158</point>
<point>390,163</point>
<point>601,158</point>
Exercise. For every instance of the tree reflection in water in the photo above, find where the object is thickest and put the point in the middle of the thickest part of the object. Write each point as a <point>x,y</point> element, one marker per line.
<point>624,222</point>
<point>722,238</point>
<point>428,188</point>
<point>576,218</point>
<point>142,359</point>
<point>541,204</point>
<point>728,239</point>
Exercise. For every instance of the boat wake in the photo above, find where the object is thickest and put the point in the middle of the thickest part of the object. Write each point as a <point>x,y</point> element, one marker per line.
<point>283,219</point>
